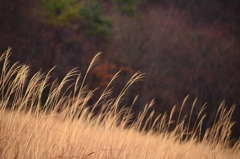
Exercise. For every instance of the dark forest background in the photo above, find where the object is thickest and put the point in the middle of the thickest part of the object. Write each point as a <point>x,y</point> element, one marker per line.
<point>185,47</point>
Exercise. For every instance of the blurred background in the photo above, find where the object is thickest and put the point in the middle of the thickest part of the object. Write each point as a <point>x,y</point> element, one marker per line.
<point>185,47</point>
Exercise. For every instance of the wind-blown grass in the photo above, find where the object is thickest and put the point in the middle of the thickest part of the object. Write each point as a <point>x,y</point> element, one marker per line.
<point>66,126</point>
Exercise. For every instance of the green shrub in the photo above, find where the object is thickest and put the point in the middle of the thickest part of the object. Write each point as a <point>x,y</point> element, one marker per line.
<point>88,13</point>
<point>61,11</point>
<point>94,20</point>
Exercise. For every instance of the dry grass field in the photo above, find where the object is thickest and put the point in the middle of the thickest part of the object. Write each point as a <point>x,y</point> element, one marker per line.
<point>64,126</point>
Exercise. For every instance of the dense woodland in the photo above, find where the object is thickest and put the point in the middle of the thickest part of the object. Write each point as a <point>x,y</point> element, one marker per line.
<point>184,47</point>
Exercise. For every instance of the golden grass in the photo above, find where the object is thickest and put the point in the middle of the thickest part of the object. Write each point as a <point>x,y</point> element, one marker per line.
<point>65,127</point>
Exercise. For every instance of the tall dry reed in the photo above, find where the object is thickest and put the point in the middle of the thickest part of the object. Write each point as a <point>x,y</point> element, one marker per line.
<point>65,125</point>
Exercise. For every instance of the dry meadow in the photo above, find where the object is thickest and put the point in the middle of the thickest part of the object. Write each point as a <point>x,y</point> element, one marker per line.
<point>65,126</point>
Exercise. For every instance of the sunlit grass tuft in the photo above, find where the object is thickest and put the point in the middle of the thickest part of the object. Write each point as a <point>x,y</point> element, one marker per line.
<point>65,125</point>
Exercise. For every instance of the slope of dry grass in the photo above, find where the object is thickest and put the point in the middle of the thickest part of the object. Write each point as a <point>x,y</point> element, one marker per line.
<point>65,127</point>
